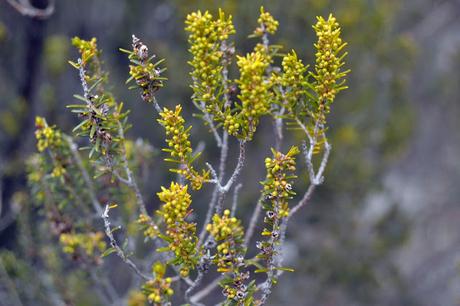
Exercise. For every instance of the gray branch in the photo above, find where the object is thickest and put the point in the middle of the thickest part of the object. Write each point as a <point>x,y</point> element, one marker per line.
<point>117,248</point>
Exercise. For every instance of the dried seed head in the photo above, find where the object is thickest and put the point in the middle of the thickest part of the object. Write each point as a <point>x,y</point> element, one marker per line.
<point>143,52</point>
<point>240,295</point>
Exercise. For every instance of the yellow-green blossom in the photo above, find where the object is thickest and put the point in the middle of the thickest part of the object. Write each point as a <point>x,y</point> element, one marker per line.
<point>254,94</point>
<point>47,136</point>
<point>180,234</point>
<point>87,48</point>
<point>293,81</point>
<point>180,150</point>
<point>89,243</point>
<point>207,45</point>
<point>228,233</point>
<point>150,229</point>
<point>278,182</point>
<point>158,290</point>
<point>329,61</point>
<point>267,23</point>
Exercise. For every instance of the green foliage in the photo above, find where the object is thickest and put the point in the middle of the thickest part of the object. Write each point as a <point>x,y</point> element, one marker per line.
<point>65,182</point>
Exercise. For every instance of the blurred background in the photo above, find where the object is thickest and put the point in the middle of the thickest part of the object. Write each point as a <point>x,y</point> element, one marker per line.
<point>384,229</point>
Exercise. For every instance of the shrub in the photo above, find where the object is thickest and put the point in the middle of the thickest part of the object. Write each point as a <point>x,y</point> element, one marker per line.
<point>75,189</point>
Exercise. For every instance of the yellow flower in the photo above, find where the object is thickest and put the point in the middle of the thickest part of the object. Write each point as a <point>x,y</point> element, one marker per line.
<point>329,61</point>
<point>254,94</point>
<point>228,233</point>
<point>46,136</point>
<point>181,235</point>
<point>207,40</point>
<point>278,183</point>
<point>180,150</point>
<point>268,24</point>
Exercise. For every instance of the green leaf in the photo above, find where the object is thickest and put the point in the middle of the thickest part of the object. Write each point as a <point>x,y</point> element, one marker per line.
<point>75,65</point>
<point>80,125</point>
<point>125,51</point>
<point>261,270</point>
<point>163,249</point>
<point>99,81</point>
<point>91,152</point>
<point>108,252</point>
<point>93,131</point>
<point>81,98</point>
<point>285,269</point>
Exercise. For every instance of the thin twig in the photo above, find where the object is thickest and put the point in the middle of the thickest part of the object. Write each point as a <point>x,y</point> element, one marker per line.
<point>253,222</point>
<point>241,158</point>
<point>209,118</point>
<point>104,288</point>
<point>317,180</point>
<point>215,193</point>
<point>206,290</point>
<point>114,244</point>
<point>225,188</point>
<point>235,198</point>
<point>129,174</point>
<point>156,105</point>
<point>194,285</point>
<point>89,185</point>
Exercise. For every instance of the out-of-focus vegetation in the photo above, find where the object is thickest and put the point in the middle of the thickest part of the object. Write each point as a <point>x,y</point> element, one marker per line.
<point>381,230</point>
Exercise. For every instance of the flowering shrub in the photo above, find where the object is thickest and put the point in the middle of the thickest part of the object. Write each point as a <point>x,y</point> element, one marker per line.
<point>75,189</point>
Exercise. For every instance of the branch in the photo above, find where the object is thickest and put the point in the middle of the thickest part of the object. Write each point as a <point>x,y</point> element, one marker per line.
<point>131,179</point>
<point>317,180</point>
<point>235,199</point>
<point>86,177</point>
<point>195,284</point>
<point>104,288</point>
<point>27,9</point>
<point>114,244</point>
<point>253,222</point>
<point>206,290</point>
<point>216,180</point>
<point>225,188</point>
<point>209,120</point>
<point>214,197</point>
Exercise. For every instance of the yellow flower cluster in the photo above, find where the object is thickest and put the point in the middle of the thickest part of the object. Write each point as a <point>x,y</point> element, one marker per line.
<point>136,298</point>
<point>229,236</point>
<point>206,38</point>
<point>158,290</point>
<point>87,48</point>
<point>278,183</point>
<point>293,80</point>
<point>180,150</point>
<point>150,229</point>
<point>89,243</point>
<point>267,23</point>
<point>46,136</point>
<point>329,60</point>
<point>180,234</point>
<point>228,233</point>
<point>254,94</point>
